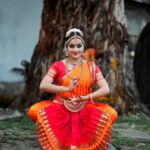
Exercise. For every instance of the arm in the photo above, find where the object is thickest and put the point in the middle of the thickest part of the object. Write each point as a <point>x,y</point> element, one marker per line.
<point>47,85</point>
<point>102,90</point>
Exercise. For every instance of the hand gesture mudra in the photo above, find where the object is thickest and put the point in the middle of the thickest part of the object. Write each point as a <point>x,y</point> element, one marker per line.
<point>73,84</point>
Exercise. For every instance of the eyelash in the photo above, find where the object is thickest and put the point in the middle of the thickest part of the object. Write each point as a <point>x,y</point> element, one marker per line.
<point>73,46</point>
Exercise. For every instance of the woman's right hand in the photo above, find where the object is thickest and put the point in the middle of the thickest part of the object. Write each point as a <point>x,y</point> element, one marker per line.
<point>72,84</point>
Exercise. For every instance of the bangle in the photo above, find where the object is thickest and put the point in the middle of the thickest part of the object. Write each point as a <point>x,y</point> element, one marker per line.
<point>90,97</point>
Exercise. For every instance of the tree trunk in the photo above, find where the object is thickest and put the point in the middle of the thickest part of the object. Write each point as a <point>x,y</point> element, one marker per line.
<point>104,25</point>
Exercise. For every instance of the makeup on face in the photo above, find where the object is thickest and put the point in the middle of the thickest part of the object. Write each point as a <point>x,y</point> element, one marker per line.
<point>75,48</point>
<point>72,46</point>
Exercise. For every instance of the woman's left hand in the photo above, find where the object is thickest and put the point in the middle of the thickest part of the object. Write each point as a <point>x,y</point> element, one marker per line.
<point>78,99</point>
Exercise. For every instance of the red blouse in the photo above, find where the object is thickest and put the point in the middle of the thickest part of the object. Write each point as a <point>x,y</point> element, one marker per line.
<point>60,70</point>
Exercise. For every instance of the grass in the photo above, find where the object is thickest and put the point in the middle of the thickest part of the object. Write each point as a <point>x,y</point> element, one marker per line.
<point>22,123</point>
<point>17,129</point>
<point>140,122</point>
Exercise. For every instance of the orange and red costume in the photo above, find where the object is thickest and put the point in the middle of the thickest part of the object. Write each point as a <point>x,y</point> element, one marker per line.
<point>59,129</point>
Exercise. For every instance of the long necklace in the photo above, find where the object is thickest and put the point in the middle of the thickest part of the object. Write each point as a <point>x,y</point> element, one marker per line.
<point>74,78</point>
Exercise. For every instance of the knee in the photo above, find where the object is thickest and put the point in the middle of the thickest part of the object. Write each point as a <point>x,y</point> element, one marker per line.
<point>32,113</point>
<point>114,115</point>
<point>34,109</point>
<point>111,112</point>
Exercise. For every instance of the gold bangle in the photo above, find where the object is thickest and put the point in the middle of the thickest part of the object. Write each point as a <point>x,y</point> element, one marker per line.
<point>90,97</point>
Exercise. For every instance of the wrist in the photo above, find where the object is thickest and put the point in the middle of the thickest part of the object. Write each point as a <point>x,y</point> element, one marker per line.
<point>90,97</point>
<point>65,89</point>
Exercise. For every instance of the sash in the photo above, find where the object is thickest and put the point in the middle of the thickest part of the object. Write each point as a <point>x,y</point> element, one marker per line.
<point>84,86</point>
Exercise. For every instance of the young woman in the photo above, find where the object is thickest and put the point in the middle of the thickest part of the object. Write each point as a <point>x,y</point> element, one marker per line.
<point>72,120</point>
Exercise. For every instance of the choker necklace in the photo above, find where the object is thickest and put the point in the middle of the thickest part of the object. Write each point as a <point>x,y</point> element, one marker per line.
<point>74,65</point>
<point>75,79</point>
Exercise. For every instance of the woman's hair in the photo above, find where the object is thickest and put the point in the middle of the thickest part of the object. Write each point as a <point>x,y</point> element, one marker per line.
<point>74,33</point>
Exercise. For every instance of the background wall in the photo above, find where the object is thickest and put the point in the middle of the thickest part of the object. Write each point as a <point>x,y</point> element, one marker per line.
<point>19,32</point>
<point>138,15</point>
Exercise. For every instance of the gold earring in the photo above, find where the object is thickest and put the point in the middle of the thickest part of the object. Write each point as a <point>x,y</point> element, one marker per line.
<point>65,51</point>
<point>82,55</point>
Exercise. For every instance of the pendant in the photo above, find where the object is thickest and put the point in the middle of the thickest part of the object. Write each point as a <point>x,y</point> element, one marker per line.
<point>75,81</point>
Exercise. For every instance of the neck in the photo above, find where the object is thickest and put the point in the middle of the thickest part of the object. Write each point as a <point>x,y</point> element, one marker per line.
<point>74,61</point>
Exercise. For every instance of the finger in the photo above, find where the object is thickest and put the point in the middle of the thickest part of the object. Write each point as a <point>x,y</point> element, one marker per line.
<point>75,100</point>
<point>83,101</point>
<point>70,98</point>
<point>81,97</point>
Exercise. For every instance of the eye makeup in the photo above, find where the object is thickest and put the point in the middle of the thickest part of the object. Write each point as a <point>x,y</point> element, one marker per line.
<point>75,45</point>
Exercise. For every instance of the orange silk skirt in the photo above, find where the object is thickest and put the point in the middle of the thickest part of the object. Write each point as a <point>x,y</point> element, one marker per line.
<point>59,129</point>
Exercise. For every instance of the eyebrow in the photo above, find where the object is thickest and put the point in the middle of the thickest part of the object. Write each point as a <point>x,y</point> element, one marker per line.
<point>73,45</point>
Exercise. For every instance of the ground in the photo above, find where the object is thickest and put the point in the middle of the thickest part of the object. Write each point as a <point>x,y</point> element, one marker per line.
<point>130,132</point>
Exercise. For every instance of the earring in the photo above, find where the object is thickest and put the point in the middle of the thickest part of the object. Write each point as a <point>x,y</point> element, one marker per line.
<point>66,53</point>
<point>65,50</point>
<point>83,54</point>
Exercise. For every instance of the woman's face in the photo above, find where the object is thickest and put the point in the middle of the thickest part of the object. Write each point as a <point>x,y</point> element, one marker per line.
<point>75,48</point>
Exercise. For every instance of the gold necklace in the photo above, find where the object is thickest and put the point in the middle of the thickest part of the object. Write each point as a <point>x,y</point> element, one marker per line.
<point>74,78</point>
<point>73,64</point>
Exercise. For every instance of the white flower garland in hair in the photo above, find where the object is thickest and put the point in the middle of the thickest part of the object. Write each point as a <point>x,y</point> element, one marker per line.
<point>74,30</point>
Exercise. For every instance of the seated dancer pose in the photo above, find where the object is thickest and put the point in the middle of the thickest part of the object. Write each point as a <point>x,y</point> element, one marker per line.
<point>72,120</point>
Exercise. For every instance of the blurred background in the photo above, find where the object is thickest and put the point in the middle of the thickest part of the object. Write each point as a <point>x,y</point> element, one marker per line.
<point>25,55</point>
<point>19,33</point>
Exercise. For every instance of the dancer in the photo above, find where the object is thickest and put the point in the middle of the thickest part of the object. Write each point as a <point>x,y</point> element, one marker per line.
<point>72,120</point>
